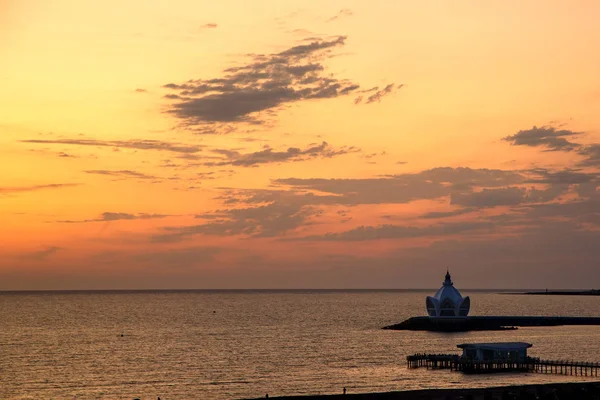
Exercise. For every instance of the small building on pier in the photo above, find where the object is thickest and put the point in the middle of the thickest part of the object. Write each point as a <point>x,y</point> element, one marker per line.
<point>506,351</point>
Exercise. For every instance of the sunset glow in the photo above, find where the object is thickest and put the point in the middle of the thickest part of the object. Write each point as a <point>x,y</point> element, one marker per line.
<point>269,144</point>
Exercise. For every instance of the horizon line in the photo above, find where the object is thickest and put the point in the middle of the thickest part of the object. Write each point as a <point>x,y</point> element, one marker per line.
<point>515,290</point>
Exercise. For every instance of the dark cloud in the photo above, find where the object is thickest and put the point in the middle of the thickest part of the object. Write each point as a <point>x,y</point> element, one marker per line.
<point>255,91</point>
<point>557,140</point>
<point>548,137</point>
<point>140,90</point>
<point>566,176</point>
<point>117,216</point>
<point>344,12</point>
<point>592,154</point>
<point>400,232</point>
<point>269,155</point>
<point>269,220</point>
<point>19,189</point>
<point>126,144</point>
<point>124,173</point>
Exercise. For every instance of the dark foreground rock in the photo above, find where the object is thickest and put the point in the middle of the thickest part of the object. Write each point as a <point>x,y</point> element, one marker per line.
<point>554,391</point>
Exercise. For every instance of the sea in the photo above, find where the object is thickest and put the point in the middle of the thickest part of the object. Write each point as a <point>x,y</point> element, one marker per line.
<point>229,344</point>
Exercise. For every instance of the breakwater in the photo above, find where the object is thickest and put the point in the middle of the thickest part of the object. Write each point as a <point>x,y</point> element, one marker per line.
<point>486,323</point>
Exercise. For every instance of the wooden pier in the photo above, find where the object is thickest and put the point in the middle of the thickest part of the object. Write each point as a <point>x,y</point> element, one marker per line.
<point>456,362</point>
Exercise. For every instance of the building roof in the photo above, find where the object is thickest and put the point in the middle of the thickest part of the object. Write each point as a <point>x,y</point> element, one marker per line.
<point>448,291</point>
<point>503,346</point>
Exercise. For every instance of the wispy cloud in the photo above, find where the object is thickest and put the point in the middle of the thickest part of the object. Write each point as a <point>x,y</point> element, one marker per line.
<point>269,155</point>
<point>19,189</point>
<point>210,25</point>
<point>446,214</point>
<point>378,93</point>
<point>363,233</point>
<point>125,173</point>
<point>126,144</point>
<point>41,255</point>
<point>344,12</point>
<point>118,216</point>
<point>402,188</point>
<point>269,220</point>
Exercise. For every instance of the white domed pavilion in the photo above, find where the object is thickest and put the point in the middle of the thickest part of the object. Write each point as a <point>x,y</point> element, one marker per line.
<point>447,301</point>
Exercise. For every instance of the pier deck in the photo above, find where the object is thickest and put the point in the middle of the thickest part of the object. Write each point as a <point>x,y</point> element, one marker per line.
<point>455,362</point>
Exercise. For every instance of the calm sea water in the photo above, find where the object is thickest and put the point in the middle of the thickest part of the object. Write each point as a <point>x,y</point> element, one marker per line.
<point>233,345</point>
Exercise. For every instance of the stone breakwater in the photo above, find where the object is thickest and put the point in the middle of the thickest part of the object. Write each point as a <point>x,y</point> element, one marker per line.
<point>486,323</point>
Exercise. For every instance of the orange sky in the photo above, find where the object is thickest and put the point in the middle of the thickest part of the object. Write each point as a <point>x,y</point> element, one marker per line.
<point>265,144</point>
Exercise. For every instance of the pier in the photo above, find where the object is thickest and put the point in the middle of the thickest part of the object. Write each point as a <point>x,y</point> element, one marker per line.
<point>456,362</point>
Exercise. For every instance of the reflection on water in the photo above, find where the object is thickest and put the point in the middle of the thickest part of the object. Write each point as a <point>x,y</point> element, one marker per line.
<point>223,345</point>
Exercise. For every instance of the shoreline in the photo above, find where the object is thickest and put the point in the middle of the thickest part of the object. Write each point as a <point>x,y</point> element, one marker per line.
<point>566,390</point>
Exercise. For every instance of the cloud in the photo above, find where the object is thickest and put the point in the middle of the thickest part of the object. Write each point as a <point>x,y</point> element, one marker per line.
<point>253,92</point>
<point>576,212</point>
<point>269,220</point>
<point>269,155</point>
<point>556,140</point>
<point>210,25</point>
<point>508,196</point>
<point>344,12</point>
<point>379,94</point>
<point>388,231</point>
<point>548,137</point>
<point>144,144</point>
<point>117,216</point>
<point>402,188</point>
<point>178,258</point>
<point>125,173</point>
<point>566,176</point>
<point>19,189</point>
<point>446,214</point>
<point>41,255</point>
<point>140,90</point>
<point>592,154</point>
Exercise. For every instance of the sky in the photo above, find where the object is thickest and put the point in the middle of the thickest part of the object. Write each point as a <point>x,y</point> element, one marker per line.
<point>266,144</point>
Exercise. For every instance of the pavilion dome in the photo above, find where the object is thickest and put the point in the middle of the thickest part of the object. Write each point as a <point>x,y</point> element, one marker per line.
<point>447,301</point>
